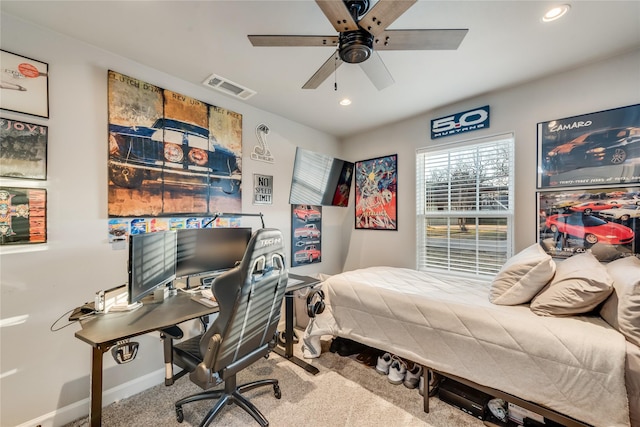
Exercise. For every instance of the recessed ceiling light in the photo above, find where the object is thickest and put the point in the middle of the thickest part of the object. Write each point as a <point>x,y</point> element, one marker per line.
<point>556,12</point>
<point>345,102</point>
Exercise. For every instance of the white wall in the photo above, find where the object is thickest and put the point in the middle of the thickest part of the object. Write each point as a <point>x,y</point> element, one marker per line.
<point>43,371</point>
<point>608,84</point>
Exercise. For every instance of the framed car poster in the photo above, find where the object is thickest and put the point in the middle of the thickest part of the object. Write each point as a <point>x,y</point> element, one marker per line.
<point>23,215</point>
<point>25,85</point>
<point>596,149</point>
<point>170,154</point>
<point>306,234</point>
<point>23,149</point>
<point>604,221</point>
<point>376,193</point>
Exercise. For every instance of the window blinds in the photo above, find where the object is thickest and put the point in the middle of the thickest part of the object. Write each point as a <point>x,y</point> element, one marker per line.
<point>464,206</point>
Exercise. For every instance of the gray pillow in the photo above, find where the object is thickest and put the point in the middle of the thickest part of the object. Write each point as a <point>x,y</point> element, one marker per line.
<point>581,283</point>
<point>522,276</point>
<point>622,309</point>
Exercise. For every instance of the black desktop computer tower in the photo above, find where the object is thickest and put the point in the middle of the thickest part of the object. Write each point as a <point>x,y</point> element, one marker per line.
<point>465,398</point>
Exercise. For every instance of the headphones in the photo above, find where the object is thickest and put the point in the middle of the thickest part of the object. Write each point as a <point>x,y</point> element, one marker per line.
<point>315,302</point>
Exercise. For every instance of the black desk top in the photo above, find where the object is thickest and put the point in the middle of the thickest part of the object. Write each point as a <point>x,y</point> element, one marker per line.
<point>109,328</point>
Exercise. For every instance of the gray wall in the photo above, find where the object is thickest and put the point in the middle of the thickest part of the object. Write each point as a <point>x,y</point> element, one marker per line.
<point>611,83</point>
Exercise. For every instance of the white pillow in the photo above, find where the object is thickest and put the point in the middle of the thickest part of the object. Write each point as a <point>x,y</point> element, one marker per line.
<point>522,276</point>
<point>622,309</point>
<point>580,284</point>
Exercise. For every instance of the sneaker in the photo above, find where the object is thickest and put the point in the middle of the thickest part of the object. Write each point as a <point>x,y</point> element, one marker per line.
<point>413,376</point>
<point>384,361</point>
<point>397,371</point>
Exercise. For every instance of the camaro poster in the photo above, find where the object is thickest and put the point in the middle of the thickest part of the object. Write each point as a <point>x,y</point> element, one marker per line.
<point>604,221</point>
<point>169,153</point>
<point>596,149</point>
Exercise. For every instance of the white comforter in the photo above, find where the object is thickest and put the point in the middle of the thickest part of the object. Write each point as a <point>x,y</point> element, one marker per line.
<point>573,365</point>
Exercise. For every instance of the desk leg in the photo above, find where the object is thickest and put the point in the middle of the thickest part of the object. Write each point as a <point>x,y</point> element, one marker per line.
<point>288,336</point>
<point>95,412</point>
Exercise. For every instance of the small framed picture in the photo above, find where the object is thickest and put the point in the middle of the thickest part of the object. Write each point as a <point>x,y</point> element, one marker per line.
<point>376,193</point>
<point>25,85</point>
<point>23,149</point>
<point>23,215</point>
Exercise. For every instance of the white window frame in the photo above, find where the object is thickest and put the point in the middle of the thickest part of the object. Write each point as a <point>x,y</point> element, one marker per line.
<point>489,254</point>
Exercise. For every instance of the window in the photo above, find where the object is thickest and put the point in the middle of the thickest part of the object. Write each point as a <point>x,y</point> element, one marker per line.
<point>464,205</point>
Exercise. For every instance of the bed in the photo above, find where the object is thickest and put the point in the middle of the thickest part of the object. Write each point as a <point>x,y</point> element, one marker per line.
<point>577,365</point>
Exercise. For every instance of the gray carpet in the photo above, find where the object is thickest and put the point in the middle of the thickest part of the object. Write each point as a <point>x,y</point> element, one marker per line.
<point>344,393</point>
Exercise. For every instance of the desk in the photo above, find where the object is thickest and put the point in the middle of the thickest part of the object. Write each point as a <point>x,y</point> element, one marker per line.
<point>303,282</point>
<point>103,331</point>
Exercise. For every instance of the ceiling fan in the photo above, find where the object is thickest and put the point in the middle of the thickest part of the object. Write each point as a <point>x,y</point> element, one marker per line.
<point>363,32</point>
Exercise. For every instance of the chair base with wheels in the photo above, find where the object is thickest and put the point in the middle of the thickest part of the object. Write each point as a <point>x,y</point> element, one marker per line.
<point>230,394</point>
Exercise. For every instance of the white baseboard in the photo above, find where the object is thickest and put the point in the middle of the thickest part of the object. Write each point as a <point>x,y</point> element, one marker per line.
<point>65,415</point>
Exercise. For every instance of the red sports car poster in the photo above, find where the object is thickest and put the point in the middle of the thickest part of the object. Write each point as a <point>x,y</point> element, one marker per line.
<point>306,233</point>
<point>604,221</point>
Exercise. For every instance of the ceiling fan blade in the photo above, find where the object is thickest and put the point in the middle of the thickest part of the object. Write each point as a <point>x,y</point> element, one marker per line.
<point>338,14</point>
<point>419,39</point>
<point>377,72</point>
<point>321,41</point>
<point>380,16</point>
<point>328,68</point>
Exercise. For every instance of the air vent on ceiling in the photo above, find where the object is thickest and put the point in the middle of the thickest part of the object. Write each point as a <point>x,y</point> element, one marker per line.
<point>228,87</point>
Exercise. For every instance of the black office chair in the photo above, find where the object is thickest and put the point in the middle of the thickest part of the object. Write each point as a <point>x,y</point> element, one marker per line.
<point>250,297</point>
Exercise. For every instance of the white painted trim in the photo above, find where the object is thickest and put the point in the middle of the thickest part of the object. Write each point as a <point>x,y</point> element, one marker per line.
<point>79,409</point>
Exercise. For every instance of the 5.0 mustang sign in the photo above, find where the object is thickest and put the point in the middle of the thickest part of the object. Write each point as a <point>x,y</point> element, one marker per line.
<point>467,121</point>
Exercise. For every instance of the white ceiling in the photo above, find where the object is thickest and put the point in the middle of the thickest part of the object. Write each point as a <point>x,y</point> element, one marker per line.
<point>507,44</point>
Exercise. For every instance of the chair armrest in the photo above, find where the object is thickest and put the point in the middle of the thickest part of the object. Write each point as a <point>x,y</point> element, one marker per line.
<point>204,374</point>
<point>173,332</point>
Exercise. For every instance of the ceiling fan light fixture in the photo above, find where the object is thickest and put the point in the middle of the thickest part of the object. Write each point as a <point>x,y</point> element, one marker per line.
<point>556,12</point>
<point>355,46</point>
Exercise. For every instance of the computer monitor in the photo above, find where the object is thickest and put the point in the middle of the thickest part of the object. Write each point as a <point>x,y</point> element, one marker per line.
<point>207,250</point>
<point>152,262</point>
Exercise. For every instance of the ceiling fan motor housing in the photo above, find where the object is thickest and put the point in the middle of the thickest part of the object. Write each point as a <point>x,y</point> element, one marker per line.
<point>355,46</point>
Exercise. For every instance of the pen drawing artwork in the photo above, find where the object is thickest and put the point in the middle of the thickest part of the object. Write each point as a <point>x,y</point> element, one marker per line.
<point>24,87</point>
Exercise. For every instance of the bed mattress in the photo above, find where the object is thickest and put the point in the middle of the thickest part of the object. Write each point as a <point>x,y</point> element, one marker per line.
<point>573,365</point>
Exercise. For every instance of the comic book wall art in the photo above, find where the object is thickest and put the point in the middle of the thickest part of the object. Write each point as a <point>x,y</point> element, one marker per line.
<point>170,154</point>
<point>597,149</point>
<point>376,193</point>
<point>23,215</point>
<point>23,149</point>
